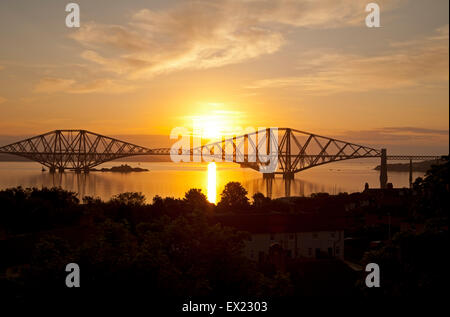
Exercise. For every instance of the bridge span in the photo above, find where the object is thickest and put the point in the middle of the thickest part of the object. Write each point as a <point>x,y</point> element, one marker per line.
<point>81,150</point>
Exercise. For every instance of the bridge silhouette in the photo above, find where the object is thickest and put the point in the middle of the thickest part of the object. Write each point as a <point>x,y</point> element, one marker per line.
<point>81,150</point>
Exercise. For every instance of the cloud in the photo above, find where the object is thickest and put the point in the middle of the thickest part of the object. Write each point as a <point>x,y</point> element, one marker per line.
<point>415,130</point>
<point>397,135</point>
<point>187,37</point>
<point>2,100</point>
<point>408,64</point>
<point>322,14</point>
<point>53,85</point>
<point>206,34</point>
<point>50,85</point>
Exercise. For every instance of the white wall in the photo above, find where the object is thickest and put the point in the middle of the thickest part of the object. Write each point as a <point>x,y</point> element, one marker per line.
<point>301,244</point>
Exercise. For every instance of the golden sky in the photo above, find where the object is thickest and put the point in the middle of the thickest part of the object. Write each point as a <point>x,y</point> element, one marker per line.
<point>145,67</point>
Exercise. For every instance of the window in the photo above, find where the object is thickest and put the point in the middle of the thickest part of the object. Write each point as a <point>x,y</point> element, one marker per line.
<point>317,252</point>
<point>330,252</point>
<point>261,256</point>
<point>332,234</point>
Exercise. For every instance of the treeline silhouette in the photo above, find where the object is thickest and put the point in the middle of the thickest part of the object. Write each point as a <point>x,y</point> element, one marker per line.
<point>167,247</point>
<point>126,246</point>
<point>416,263</point>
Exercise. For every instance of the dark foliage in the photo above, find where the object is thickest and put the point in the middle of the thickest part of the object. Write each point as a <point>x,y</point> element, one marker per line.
<point>169,247</point>
<point>125,246</point>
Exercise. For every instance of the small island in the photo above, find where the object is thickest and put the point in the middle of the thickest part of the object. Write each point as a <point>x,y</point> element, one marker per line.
<point>124,168</point>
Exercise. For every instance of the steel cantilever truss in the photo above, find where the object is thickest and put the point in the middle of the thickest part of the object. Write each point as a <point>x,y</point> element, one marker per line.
<point>300,150</point>
<point>81,150</point>
<point>72,149</point>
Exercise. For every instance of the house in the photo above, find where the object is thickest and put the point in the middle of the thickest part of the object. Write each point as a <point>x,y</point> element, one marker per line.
<point>297,243</point>
<point>299,235</point>
<point>412,227</point>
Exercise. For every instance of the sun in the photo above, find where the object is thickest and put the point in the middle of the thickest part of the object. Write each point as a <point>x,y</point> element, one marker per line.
<point>214,126</point>
<point>209,126</point>
<point>212,121</point>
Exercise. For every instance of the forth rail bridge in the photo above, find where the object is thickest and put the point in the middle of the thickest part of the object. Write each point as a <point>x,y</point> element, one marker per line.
<point>81,150</point>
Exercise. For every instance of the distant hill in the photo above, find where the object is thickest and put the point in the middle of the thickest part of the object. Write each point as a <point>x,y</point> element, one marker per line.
<point>12,158</point>
<point>404,167</point>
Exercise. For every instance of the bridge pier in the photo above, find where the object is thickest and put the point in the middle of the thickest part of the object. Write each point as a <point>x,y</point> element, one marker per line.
<point>383,169</point>
<point>80,170</point>
<point>288,175</point>
<point>269,185</point>
<point>268,175</point>
<point>61,169</point>
<point>52,169</point>
<point>287,187</point>
<point>410,174</point>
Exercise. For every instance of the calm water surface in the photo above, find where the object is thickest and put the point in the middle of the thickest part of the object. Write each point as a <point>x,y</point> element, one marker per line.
<point>174,179</point>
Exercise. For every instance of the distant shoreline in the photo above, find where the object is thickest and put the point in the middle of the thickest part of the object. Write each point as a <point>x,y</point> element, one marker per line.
<point>422,166</point>
<point>396,167</point>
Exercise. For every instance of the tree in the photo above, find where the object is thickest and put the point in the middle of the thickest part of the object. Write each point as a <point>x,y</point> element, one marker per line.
<point>411,265</point>
<point>433,194</point>
<point>33,209</point>
<point>195,199</point>
<point>233,198</point>
<point>129,198</point>
<point>260,202</point>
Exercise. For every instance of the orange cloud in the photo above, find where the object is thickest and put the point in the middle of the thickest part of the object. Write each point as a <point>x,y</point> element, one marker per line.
<point>409,64</point>
<point>52,85</point>
<point>207,34</point>
<point>397,135</point>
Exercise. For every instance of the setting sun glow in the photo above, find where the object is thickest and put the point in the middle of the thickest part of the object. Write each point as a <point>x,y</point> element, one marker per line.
<point>212,182</point>
<point>213,124</point>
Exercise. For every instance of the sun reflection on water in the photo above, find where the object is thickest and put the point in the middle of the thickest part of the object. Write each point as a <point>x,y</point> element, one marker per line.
<point>212,182</point>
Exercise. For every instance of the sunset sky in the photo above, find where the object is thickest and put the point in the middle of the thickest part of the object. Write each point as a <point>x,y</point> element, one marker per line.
<point>144,67</point>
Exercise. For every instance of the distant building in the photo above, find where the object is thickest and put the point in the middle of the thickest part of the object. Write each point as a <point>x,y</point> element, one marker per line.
<point>372,220</point>
<point>412,227</point>
<point>299,236</point>
<point>388,192</point>
<point>309,244</point>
